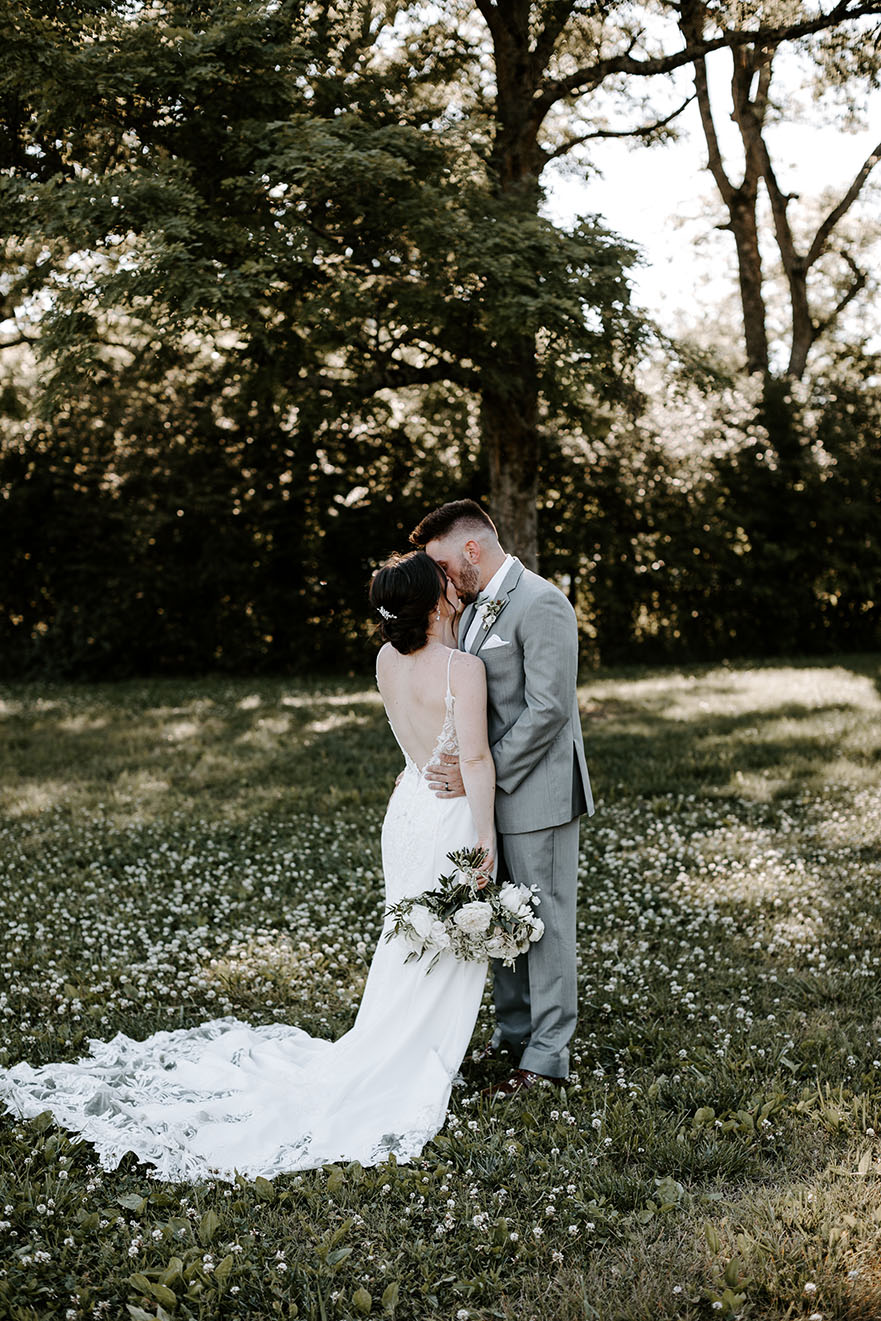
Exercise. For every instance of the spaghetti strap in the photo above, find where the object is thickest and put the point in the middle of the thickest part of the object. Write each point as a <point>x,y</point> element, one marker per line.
<point>449,663</point>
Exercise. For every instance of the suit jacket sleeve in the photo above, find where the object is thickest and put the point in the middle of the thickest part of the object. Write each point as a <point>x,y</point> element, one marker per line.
<point>550,662</point>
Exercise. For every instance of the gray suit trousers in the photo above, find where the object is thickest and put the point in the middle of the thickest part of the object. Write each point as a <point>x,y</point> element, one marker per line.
<point>536,999</point>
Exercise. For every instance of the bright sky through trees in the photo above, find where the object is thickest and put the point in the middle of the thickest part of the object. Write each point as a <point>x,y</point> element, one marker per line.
<point>663,198</point>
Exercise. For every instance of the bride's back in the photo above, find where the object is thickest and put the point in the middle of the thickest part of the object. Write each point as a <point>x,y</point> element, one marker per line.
<point>414,688</point>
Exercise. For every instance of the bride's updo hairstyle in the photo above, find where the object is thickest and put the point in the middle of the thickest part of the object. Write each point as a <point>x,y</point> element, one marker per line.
<point>404,592</point>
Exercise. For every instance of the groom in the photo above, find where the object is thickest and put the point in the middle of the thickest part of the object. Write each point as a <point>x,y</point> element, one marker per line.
<point>524,631</point>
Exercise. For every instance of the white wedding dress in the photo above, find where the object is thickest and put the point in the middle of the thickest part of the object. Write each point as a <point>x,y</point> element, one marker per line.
<point>224,1097</point>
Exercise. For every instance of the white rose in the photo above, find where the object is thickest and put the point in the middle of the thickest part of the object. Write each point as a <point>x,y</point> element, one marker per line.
<point>474,918</point>
<point>538,929</point>
<point>510,897</point>
<point>421,920</point>
<point>439,935</point>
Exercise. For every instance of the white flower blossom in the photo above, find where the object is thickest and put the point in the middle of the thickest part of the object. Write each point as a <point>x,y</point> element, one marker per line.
<point>473,918</point>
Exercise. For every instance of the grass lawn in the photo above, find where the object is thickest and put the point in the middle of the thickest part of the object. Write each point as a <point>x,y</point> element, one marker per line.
<point>171,851</point>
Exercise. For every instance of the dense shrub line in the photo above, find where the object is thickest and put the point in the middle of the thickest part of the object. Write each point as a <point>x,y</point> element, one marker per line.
<point>144,535</point>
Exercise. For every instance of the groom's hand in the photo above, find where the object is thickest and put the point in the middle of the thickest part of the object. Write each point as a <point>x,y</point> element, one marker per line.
<point>445,777</point>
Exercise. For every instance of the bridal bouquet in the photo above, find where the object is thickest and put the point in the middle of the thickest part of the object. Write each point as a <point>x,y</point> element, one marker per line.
<point>496,922</point>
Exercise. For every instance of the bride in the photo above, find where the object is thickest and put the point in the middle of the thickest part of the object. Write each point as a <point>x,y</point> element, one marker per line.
<point>224,1097</point>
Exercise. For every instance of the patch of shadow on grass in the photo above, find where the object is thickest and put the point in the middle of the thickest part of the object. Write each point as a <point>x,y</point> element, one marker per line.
<point>748,755</point>
<point>803,1240</point>
<point>331,752</point>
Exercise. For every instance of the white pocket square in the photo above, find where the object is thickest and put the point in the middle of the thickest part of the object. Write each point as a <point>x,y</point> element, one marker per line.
<point>494,641</point>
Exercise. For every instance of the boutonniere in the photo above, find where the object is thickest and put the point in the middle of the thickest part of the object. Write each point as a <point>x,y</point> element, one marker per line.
<point>489,611</point>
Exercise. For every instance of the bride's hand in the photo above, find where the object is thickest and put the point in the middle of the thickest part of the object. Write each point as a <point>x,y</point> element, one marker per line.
<point>487,867</point>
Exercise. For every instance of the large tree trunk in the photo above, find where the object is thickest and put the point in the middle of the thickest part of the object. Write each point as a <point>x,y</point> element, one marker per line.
<point>509,393</point>
<point>739,200</point>
<point>742,211</point>
<point>804,332</point>
<point>510,434</point>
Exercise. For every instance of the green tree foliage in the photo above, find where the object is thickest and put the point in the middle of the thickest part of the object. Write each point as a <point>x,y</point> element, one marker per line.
<point>240,246</point>
<point>287,276</point>
<point>701,538</point>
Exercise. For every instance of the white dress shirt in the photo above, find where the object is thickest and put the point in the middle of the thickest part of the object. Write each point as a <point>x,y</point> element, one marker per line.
<point>489,593</point>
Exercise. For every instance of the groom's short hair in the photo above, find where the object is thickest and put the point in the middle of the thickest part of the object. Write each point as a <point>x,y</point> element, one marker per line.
<point>466,514</point>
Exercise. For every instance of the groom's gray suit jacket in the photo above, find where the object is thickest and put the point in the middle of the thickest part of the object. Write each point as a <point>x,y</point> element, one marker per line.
<point>530,651</point>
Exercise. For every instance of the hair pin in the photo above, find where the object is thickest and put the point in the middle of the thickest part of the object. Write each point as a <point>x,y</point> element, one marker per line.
<point>386,614</point>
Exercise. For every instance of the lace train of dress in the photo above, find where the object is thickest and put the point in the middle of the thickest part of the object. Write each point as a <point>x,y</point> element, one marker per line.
<point>224,1097</point>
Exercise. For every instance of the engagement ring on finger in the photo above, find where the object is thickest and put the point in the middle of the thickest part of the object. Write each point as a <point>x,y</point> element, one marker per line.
<point>446,787</point>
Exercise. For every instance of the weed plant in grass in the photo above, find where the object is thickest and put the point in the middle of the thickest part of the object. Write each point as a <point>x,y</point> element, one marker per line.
<point>173,851</point>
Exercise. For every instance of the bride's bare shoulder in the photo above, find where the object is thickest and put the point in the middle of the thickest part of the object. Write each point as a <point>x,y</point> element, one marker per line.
<point>384,658</point>
<point>467,671</point>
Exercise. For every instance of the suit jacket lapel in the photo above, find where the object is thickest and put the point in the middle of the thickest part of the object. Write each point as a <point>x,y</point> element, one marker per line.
<point>509,583</point>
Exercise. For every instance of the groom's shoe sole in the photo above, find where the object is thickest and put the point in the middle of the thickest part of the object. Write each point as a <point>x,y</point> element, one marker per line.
<point>521,1080</point>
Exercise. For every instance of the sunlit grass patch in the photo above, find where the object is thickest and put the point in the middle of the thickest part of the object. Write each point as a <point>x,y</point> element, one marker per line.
<point>177,850</point>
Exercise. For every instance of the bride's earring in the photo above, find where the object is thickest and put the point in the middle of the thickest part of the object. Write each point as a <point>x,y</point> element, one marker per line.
<point>437,615</point>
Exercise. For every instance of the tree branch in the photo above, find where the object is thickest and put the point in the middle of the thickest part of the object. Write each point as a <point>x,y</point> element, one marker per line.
<point>779,203</point>
<point>557,17</point>
<point>644,132</point>
<point>749,119</point>
<point>822,235</point>
<point>587,78</point>
<point>691,24</point>
<point>714,153</point>
<point>20,339</point>
<point>859,283</point>
<point>760,100</point>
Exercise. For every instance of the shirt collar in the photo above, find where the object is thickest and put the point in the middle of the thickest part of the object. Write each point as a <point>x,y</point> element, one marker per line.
<point>494,585</point>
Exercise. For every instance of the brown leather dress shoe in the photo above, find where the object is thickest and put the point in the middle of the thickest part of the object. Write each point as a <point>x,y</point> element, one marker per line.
<point>521,1080</point>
